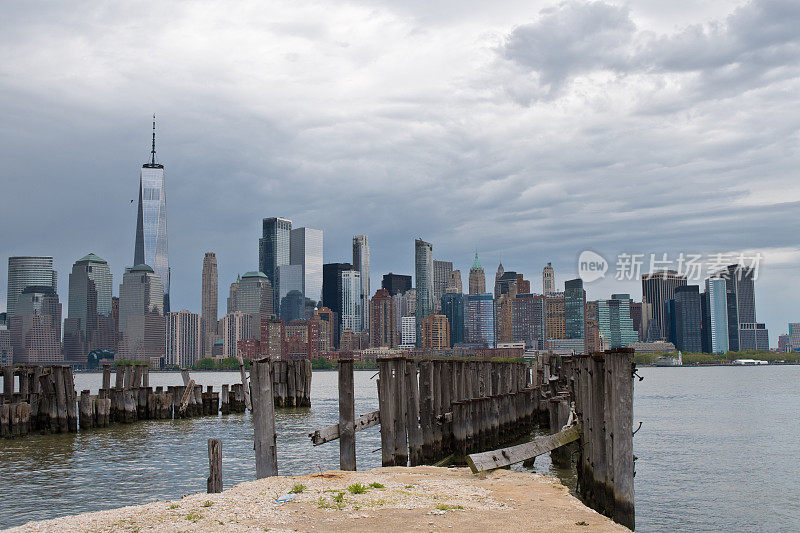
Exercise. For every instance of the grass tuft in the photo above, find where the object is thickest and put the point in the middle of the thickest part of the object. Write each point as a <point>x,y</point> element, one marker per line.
<point>174,506</point>
<point>376,485</point>
<point>446,507</point>
<point>297,488</point>
<point>208,503</point>
<point>357,488</point>
<point>194,517</point>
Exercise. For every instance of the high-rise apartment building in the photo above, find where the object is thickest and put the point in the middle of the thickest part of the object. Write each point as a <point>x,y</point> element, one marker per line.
<point>453,309</point>
<point>435,332</point>
<point>687,319</point>
<point>383,326</point>
<point>396,283</point>
<point>555,320</point>
<point>423,270</point>
<point>505,317</point>
<point>615,322</point>
<point>528,320</point>
<point>255,297</point>
<point>328,329</point>
<point>25,271</point>
<point>235,327</point>
<point>477,277</point>
<point>441,277</point>
<point>141,315</point>
<point>183,338</point>
<point>209,304</point>
<point>715,320</point>
<point>574,309</point>
<point>306,250</point>
<point>361,264</point>
<point>36,326</point>
<point>351,301</point>
<point>274,250</point>
<point>657,289</point>
<point>479,320</point>
<point>151,221</point>
<point>548,280</point>
<point>409,331</point>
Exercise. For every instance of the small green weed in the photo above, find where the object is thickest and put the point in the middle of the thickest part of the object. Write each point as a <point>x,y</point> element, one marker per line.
<point>208,503</point>
<point>376,485</point>
<point>322,503</point>
<point>357,488</point>
<point>174,506</point>
<point>298,488</point>
<point>446,507</point>
<point>339,497</point>
<point>194,517</point>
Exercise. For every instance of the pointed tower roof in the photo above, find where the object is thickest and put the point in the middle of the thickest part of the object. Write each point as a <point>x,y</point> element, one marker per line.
<point>476,265</point>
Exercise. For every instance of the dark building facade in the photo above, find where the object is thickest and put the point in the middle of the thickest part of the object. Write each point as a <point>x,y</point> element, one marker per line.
<point>657,288</point>
<point>273,250</point>
<point>574,309</point>
<point>733,322</point>
<point>528,320</point>
<point>453,309</point>
<point>688,319</point>
<point>396,283</point>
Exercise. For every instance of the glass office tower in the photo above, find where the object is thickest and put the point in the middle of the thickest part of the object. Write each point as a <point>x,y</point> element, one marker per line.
<point>25,271</point>
<point>306,250</point>
<point>479,320</point>
<point>151,221</point>
<point>273,249</point>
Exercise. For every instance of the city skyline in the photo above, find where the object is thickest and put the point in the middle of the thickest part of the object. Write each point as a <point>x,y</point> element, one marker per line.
<point>525,191</point>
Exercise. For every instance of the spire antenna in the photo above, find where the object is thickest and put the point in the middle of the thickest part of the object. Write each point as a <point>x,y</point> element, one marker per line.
<point>153,150</point>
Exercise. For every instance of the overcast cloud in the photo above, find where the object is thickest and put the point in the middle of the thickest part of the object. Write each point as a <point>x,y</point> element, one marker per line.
<point>528,130</point>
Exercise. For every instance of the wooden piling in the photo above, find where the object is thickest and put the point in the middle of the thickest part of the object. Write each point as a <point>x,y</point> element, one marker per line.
<point>214,481</point>
<point>225,406</point>
<point>106,376</point>
<point>412,422</point>
<point>386,408</point>
<point>347,414</point>
<point>400,405</point>
<point>263,405</point>
<point>86,411</point>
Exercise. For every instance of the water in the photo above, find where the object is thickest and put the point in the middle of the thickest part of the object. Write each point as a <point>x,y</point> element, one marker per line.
<point>718,450</point>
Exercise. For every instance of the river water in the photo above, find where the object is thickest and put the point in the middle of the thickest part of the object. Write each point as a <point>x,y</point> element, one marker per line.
<point>719,449</point>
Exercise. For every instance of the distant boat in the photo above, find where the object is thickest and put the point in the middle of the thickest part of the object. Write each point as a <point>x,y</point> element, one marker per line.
<point>749,362</point>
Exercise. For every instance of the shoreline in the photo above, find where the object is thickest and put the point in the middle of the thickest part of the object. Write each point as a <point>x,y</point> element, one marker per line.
<point>393,498</point>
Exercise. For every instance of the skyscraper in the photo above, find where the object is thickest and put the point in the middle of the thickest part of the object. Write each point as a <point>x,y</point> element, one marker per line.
<point>332,292</point>
<point>36,326</point>
<point>151,221</point>
<point>477,277</point>
<point>497,276</point>
<point>657,288</point>
<point>528,322</point>
<point>454,283</point>
<point>548,280</point>
<point>423,274</point>
<point>383,328</point>
<point>749,334</point>
<point>24,271</point>
<point>183,338</point>
<point>396,283</point>
<point>351,301</point>
<point>435,332</point>
<point>210,301</point>
<point>274,250</point>
<point>615,322</point>
<point>441,277</point>
<point>255,297</point>
<point>290,280</point>
<point>716,317</point>
<point>555,320</point>
<point>688,319</point>
<point>141,315</point>
<point>361,263</point>
<point>479,320</point>
<point>306,250</point>
<point>90,285</point>
<point>453,309</point>
<point>574,309</point>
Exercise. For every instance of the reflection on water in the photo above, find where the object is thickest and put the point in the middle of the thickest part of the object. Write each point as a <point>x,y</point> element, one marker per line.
<point>718,450</point>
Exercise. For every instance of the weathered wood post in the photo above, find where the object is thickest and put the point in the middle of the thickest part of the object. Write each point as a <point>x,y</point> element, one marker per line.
<point>387,411</point>
<point>400,432</point>
<point>347,414</point>
<point>426,409</point>
<point>106,376</point>
<point>622,434</point>
<point>119,376</point>
<point>214,481</point>
<point>245,389</point>
<point>225,405</point>
<point>8,382</point>
<point>86,410</point>
<point>263,408</point>
<point>412,410</point>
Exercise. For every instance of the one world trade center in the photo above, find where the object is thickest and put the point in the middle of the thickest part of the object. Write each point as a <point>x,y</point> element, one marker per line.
<point>151,222</point>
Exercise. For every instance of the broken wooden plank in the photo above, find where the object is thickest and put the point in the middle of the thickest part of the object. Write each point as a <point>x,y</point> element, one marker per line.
<point>188,392</point>
<point>515,454</point>
<point>321,436</point>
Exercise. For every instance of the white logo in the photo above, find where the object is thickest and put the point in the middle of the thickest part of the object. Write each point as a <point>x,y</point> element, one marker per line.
<point>591,266</point>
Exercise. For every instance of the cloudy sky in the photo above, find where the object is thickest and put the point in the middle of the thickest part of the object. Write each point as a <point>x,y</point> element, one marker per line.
<point>530,131</point>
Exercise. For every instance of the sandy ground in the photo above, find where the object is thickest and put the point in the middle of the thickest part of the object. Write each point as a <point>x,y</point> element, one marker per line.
<point>423,498</point>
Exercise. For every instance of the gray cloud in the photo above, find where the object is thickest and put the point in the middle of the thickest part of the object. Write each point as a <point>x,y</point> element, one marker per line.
<point>401,122</point>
